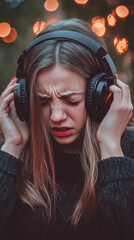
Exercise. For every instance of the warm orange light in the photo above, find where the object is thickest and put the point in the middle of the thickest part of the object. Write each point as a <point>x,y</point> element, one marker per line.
<point>38,27</point>
<point>122,11</point>
<point>51,5</point>
<point>116,75</point>
<point>11,37</point>
<point>52,20</point>
<point>82,2</point>
<point>115,41</point>
<point>111,20</point>
<point>98,26</point>
<point>108,97</point>
<point>5,29</point>
<point>121,45</point>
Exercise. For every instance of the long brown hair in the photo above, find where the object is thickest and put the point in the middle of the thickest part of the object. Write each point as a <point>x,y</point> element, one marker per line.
<point>37,185</point>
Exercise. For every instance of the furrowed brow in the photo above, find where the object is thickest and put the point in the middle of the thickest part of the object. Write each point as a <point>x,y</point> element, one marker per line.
<point>68,94</point>
<point>64,94</point>
<point>43,95</point>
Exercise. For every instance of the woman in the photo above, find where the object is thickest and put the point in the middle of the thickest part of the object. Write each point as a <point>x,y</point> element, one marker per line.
<point>64,174</point>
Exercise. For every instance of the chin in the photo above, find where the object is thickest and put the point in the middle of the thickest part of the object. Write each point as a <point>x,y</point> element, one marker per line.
<point>65,140</point>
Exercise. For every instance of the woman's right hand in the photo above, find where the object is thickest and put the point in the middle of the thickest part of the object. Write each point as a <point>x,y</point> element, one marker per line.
<point>15,132</point>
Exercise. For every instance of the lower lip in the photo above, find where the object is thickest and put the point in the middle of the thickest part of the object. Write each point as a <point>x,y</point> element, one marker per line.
<point>62,133</point>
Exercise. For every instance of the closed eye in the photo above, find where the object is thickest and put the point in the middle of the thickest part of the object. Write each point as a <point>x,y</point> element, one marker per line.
<point>73,103</point>
<point>44,101</point>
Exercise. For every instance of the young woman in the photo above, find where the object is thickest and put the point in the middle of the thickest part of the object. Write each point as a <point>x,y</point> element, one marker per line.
<point>63,173</point>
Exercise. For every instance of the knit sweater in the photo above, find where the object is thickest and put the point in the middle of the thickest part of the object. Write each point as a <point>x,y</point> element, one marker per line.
<point>115,202</point>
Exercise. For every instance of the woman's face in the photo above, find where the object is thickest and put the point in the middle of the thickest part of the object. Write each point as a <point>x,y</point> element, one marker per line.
<point>62,97</point>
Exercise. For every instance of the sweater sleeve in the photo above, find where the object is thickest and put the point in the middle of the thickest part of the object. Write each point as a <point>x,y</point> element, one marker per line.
<point>116,200</point>
<point>10,167</point>
<point>127,142</point>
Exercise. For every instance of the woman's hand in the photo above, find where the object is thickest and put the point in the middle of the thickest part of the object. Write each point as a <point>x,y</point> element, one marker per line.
<point>114,123</point>
<point>15,132</point>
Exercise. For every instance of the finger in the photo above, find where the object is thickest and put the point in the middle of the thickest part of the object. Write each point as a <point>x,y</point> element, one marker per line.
<point>125,90</point>
<point>7,91</point>
<point>6,101</point>
<point>117,94</point>
<point>13,113</point>
<point>126,98</point>
<point>12,106</point>
<point>13,80</point>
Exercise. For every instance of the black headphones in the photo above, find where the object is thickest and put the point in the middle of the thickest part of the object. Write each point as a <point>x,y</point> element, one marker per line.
<point>98,98</point>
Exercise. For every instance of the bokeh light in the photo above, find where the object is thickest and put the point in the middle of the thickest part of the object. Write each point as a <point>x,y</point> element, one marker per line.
<point>112,2</point>
<point>111,20</point>
<point>121,45</point>
<point>5,29</point>
<point>52,20</point>
<point>51,5</point>
<point>122,11</point>
<point>38,26</point>
<point>82,2</point>
<point>11,37</point>
<point>115,41</point>
<point>98,26</point>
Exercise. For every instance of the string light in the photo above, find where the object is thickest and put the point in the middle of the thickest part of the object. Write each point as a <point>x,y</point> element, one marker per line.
<point>38,26</point>
<point>120,44</point>
<point>98,26</point>
<point>82,2</point>
<point>51,5</point>
<point>11,37</point>
<point>122,11</point>
<point>5,29</point>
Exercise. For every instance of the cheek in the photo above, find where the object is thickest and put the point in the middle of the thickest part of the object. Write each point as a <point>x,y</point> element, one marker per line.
<point>79,114</point>
<point>45,114</point>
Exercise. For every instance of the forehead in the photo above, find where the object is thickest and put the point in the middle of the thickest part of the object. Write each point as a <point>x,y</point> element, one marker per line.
<point>60,79</point>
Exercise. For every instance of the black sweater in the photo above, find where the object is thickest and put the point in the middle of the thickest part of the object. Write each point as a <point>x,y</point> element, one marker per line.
<point>115,202</point>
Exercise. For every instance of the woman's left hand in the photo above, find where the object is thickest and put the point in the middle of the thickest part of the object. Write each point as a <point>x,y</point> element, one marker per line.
<point>114,123</point>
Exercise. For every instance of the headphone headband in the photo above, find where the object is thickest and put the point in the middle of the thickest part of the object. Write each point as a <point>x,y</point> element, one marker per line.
<point>97,90</point>
<point>73,36</point>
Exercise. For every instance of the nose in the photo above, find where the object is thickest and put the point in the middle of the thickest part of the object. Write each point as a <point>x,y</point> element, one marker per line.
<point>57,114</point>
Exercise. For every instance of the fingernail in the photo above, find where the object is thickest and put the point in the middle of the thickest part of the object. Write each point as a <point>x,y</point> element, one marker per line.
<point>13,79</point>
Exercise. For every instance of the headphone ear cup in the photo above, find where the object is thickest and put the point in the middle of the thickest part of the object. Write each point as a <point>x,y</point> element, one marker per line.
<point>97,93</point>
<point>90,97</point>
<point>21,100</point>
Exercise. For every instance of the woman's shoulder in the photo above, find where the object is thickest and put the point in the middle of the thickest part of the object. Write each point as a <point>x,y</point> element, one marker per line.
<point>127,141</point>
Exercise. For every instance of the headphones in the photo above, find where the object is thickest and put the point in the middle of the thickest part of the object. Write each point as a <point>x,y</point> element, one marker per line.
<point>98,97</point>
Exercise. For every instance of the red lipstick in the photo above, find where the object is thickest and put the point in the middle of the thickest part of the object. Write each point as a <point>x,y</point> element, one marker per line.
<point>62,132</point>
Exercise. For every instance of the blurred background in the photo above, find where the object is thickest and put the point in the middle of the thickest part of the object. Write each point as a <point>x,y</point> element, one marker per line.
<point>112,20</point>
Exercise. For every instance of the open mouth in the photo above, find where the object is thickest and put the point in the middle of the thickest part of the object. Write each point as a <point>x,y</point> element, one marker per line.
<point>61,129</point>
<point>62,132</point>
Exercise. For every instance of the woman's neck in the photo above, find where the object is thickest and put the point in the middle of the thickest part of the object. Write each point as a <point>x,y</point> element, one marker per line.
<point>71,148</point>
